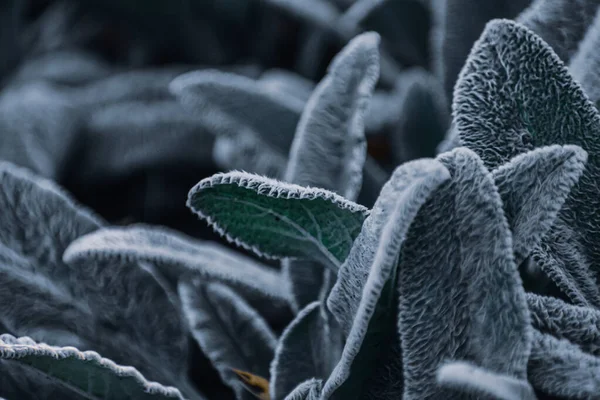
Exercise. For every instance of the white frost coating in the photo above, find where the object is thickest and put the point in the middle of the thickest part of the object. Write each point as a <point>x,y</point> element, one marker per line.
<point>585,64</point>
<point>177,254</point>
<point>472,379</point>
<point>12,348</point>
<point>268,187</point>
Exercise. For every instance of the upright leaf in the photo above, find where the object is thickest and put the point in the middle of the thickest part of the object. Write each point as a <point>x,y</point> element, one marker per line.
<point>559,368</point>
<point>560,23</point>
<point>457,270</point>
<point>177,256</point>
<point>515,94</point>
<point>364,298</point>
<point>317,224</point>
<point>229,331</point>
<point>85,374</point>
<point>309,348</point>
<point>585,63</point>
<point>470,379</point>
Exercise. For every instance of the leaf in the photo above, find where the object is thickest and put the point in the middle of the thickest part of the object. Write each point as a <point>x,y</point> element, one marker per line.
<point>308,390</point>
<point>39,221</point>
<point>309,348</point>
<point>329,148</point>
<point>363,299</point>
<point>423,117</point>
<point>176,256</point>
<point>272,116</point>
<point>316,223</point>
<point>83,373</point>
<point>460,23</point>
<point>533,187</point>
<point>560,23</point>
<point>560,369</point>
<point>584,65</point>
<point>287,83</point>
<point>468,378</point>
<point>256,385</point>
<point>229,331</point>
<point>515,94</point>
<point>457,271</point>
<point>129,137</point>
<point>579,325</point>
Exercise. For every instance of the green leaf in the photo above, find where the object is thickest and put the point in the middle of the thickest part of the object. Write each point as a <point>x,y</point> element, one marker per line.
<point>85,374</point>
<point>277,219</point>
<point>364,298</point>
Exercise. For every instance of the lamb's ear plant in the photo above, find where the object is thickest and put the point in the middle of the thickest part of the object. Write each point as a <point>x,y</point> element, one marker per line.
<point>585,64</point>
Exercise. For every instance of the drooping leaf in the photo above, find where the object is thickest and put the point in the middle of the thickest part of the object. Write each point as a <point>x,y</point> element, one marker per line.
<point>256,385</point>
<point>457,270</point>
<point>317,224</point>
<point>579,325</point>
<point>364,298</point>
<point>285,82</point>
<point>176,256</point>
<point>308,348</point>
<point>515,94</point>
<point>83,373</point>
<point>533,187</point>
<point>560,369</point>
<point>39,221</point>
<point>585,63</point>
<point>423,117</point>
<point>460,23</point>
<point>309,390</point>
<point>229,331</point>
<point>470,379</point>
<point>560,23</point>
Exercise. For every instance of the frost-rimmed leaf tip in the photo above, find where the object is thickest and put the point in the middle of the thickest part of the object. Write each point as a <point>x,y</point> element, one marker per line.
<point>59,364</point>
<point>256,212</point>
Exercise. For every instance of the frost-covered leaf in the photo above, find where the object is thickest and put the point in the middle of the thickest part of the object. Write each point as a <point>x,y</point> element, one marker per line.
<point>474,291</point>
<point>585,63</point>
<point>39,125</point>
<point>364,298</point>
<point>285,82</point>
<point>229,331</point>
<point>560,369</point>
<point>470,379</point>
<point>127,137</point>
<point>533,187</point>
<point>85,374</point>
<point>309,348</point>
<point>317,224</point>
<point>271,115</point>
<point>176,256</point>
<point>560,23</point>
<point>579,325</point>
<point>423,117</point>
<point>309,390</point>
<point>515,94</point>
<point>460,23</point>
<point>38,222</point>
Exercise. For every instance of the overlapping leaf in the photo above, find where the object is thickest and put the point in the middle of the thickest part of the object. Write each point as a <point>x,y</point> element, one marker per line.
<point>585,63</point>
<point>364,298</point>
<point>309,390</point>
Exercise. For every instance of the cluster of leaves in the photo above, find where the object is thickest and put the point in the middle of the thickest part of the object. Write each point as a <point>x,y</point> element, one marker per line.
<point>468,274</point>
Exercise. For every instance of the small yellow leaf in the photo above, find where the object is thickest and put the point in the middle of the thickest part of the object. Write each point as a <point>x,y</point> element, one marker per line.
<point>255,384</point>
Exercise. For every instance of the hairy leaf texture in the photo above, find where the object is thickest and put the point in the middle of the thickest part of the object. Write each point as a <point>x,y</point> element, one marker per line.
<point>229,332</point>
<point>457,270</point>
<point>585,63</point>
<point>515,94</point>
<point>177,256</point>
<point>308,390</point>
<point>84,374</point>
<point>560,369</point>
<point>39,221</point>
<point>560,23</point>
<point>472,380</point>
<point>309,348</point>
<point>329,147</point>
<point>579,325</point>
<point>364,298</point>
<point>317,224</point>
